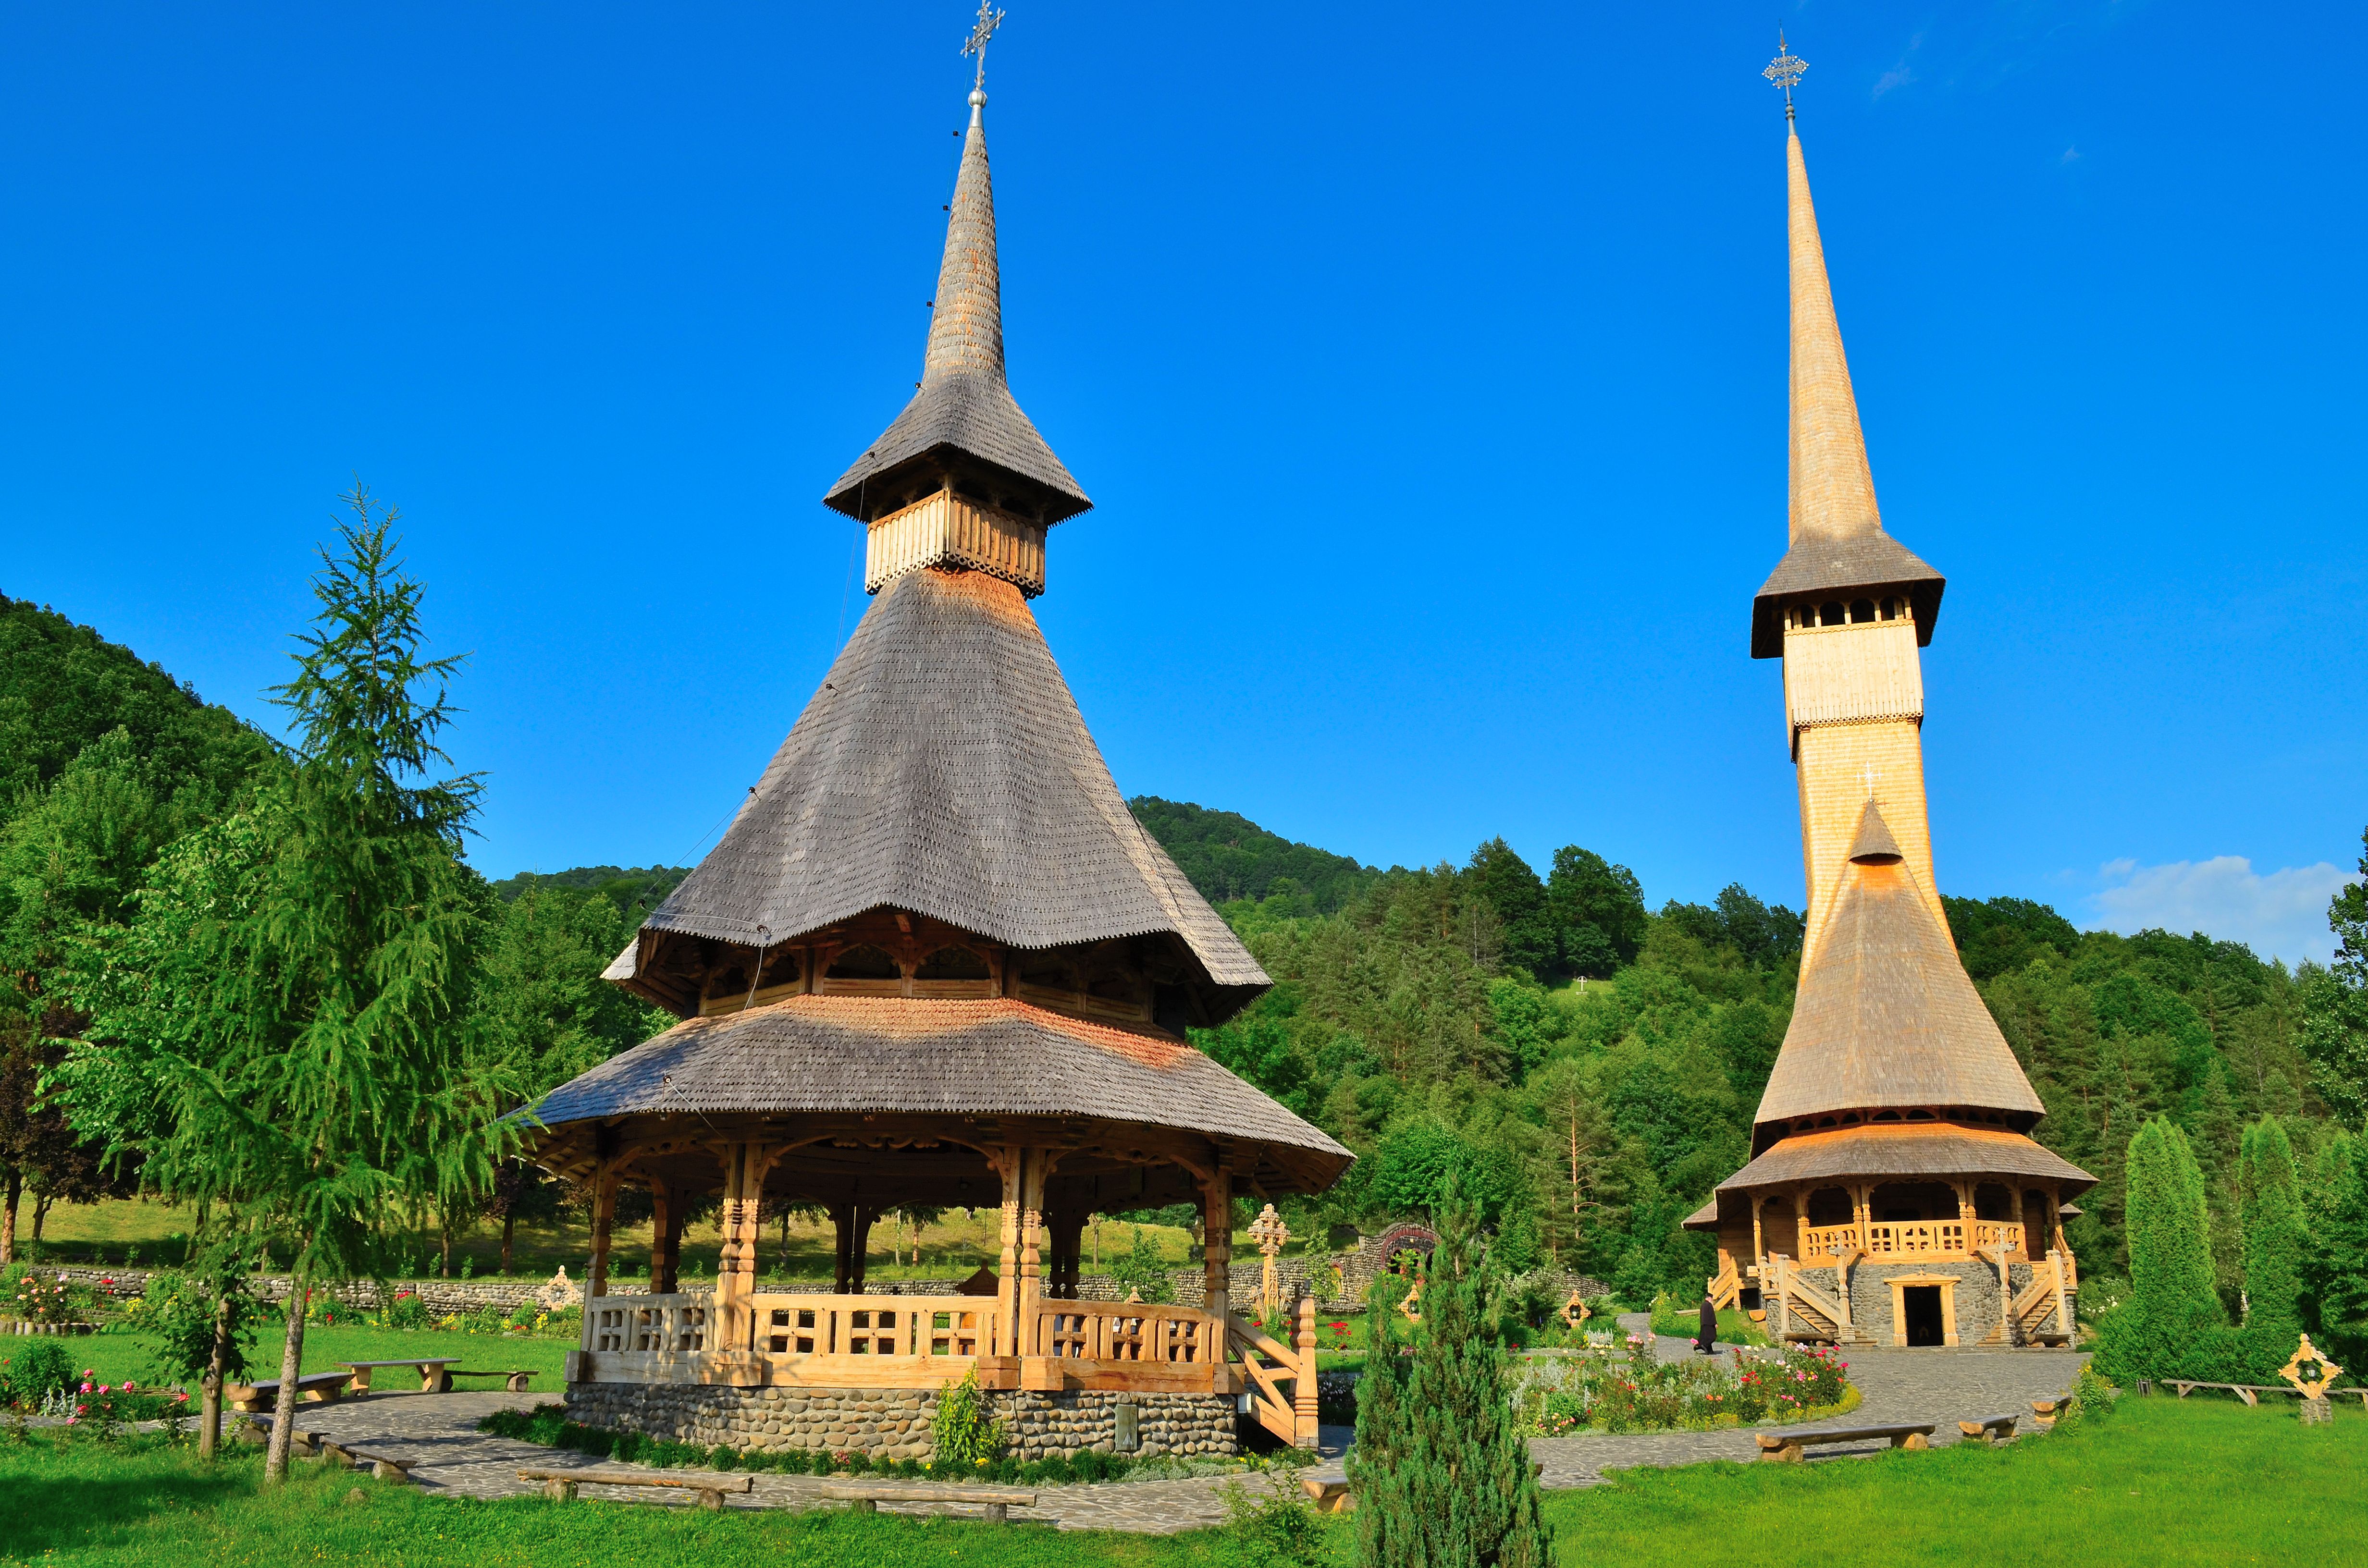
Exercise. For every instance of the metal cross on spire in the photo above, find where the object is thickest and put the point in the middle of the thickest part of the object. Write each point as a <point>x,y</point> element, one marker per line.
<point>1785,70</point>
<point>981,33</point>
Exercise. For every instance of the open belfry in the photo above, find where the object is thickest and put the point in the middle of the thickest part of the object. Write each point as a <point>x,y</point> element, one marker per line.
<point>935,963</point>
<point>1895,1194</point>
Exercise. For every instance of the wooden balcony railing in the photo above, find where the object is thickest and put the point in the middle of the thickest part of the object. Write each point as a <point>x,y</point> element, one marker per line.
<point>1916,1238</point>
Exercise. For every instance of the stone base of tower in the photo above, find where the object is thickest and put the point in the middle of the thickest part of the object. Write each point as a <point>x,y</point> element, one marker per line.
<point>893,1424</point>
<point>1940,1305</point>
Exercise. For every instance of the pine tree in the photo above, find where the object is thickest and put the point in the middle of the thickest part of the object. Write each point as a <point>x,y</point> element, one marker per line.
<point>2337,1271</point>
<point>1387,1529</point>
<point>2276,1242</point>
<point>1464,1493</point>
<point>2173,1324</point>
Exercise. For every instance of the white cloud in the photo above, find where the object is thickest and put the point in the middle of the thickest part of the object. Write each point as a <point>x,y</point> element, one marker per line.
<point>1899,75</point>
<point>2283,912</point>
<point>2071,156</point>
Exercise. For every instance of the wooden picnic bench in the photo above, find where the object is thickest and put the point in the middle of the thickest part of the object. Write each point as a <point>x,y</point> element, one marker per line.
<point>1989,1431</point>
<point>2249,1393</point>
<point>1785,1447</point>
<point>435,1375</point>
<point>315,1388</point>
<point>560,1485</point>
<point>1329,1490</point>
<point>2044,1413</point>
<point>999,1501</point>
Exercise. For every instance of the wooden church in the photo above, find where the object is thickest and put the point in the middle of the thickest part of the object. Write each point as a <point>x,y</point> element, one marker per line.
<point>1895,1194</point>
<point>935,961</point>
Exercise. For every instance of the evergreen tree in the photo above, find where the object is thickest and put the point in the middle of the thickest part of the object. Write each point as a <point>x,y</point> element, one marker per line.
<point>2172,1324</point>
<point>1464,1495</point>
<point>286,1033</point>
<point>2336,1272</point>
<point>1388,1531</point>
<point>2276,1244</point>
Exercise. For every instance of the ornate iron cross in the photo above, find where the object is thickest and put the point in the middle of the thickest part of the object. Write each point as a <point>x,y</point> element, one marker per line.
<point>981,35</point>
<point>1785,70</point>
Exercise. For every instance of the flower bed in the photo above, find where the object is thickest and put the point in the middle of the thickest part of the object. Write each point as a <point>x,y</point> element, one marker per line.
<point>1630,1391</point>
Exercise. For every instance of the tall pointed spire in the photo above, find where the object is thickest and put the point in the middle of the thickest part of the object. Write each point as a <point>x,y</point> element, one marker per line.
<point>1832,487</point>
<point>1839,549</point>
<point>963,421</point>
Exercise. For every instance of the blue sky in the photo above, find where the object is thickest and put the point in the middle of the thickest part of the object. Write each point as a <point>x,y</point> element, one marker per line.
<point>1428,366</point>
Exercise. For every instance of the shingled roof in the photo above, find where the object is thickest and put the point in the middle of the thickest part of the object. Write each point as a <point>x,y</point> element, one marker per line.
<point>879,1055</point>
<point>1838,545</point>
<point>944,769</point>
<point>964,406</point>
<point>1885,1016</point>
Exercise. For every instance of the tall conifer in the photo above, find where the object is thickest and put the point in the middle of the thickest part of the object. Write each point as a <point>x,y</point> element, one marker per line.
<point>2276,1241</point>
<point>2336,1272</point>
<point>1464,1495</point>
<point>2172,1322</point>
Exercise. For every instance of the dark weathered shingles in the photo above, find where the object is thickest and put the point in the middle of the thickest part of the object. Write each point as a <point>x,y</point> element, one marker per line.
<point>823,1054</point>
<point>1846,567</point>
<point>943,768</point>
<point>964,401</point>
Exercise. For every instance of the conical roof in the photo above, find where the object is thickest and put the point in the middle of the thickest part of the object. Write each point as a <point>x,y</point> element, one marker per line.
<point>1837,543</point>
<point>943,769</point>
<point>964,408</point>
<point>1886,1018</point>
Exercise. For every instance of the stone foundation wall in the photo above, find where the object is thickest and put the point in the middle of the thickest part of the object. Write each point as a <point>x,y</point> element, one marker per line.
<point>1976,1293</point>
<point>894,1423</point>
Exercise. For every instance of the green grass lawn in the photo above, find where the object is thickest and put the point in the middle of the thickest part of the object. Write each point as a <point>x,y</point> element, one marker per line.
<point>117,1356</point>
<point>2158,1481</point>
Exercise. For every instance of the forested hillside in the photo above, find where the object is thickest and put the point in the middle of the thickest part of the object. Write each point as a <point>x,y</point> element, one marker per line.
<point>1592,1069</point>
<point>119,779</point>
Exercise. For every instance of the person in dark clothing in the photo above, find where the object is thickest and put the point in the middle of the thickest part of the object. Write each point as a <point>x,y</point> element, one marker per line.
<point>1706,1341</point>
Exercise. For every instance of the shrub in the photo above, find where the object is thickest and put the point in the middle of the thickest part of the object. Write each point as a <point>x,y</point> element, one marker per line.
<point>2172,1325</point>
<point>1141,1270</point>
<point>42,1367</point>
<point>960,1432</point>
<point>1278,1527</point>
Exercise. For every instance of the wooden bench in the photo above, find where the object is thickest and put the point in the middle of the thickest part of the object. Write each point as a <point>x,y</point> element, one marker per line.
<point>1989,1431</point>
<point>560,1485</point>
<point>999,1501</point>
<point>431,1374</point>
<point>2044,1413</point>
<point>2249,1393</point>
<point>435,1377</point>
<point>1785,1447</point>
<point>316,1388</point>
<point>1329,1490</point>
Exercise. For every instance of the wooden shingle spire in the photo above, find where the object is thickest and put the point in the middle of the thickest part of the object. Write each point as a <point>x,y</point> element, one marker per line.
<point>1838,546</point>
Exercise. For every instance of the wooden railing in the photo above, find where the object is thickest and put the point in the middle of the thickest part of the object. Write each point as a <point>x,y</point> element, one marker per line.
<point>1267,1364</point>
<point>870,1328</point>
<point>1897,1238</point>
<point>675,1324</point>
<point>1124,1331</point>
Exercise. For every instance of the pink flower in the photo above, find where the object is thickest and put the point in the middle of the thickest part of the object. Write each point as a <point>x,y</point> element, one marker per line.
<point>85,1389</point>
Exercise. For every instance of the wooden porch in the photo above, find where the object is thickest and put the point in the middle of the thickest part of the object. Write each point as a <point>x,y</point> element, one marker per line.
<point>770,1340</point>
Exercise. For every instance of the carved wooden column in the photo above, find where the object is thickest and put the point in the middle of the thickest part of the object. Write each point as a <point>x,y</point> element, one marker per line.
<point>1006,1164</point>
<point>733,1324</point>
<point>1032,1255</point>
<point>842,1232</point>
<point>604,1219</point>
<point>1303,1388</point>
<point>1068,1228</point>
<point>1217,1223</point>
<point>859,1246</point>
<point>666,1208</point>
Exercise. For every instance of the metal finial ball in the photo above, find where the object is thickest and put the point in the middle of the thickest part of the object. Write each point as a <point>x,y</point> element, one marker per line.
<point>978,98</point>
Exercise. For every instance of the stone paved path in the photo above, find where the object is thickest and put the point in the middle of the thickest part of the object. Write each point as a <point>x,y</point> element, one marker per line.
<point>438,1433</point>
<point>1941,1386</point>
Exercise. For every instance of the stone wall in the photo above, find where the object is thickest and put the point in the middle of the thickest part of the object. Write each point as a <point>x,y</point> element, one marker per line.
<point>894,1423</point>
<point>1976,1294</point>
